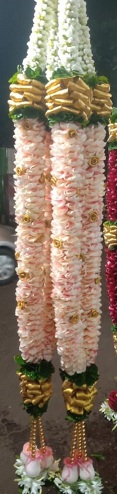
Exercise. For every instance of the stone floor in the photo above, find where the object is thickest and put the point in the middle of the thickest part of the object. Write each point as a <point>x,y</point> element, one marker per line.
<point>14,423</point>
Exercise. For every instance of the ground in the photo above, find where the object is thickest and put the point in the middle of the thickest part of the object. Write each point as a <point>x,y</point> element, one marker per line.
<point>14,423</point>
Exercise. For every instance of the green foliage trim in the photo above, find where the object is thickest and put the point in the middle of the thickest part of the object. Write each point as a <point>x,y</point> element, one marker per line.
<point>71,117</point>
<point>38,74</point>
<point>89,377</point>
<point>113,117</point>
<point>114,328</point>
<point>112,145</point>
<point>43,370</point>
<point>90,79</point>
<point>28,112</point>
<point>72,417</point>
<point>34,410</point>
<point>110,223</point>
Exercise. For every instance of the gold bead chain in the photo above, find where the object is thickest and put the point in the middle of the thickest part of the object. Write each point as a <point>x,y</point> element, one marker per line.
<point>74,442</point>
<point>33,436</point>
<point>41,434</point>
<point>84,441</point>
<point>79,439</point>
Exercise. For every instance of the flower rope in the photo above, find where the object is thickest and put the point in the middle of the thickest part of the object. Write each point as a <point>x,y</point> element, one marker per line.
<point>37,44</point>
<point>92,238</point>
<point>109,407</point>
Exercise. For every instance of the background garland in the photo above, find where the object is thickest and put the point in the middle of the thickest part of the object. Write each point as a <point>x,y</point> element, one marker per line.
<point>109,407</point>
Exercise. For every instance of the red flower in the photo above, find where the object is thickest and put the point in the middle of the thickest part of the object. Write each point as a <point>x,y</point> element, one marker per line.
<point>112,400</point>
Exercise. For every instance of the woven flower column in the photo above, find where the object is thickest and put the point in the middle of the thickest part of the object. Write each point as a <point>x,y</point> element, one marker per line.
<point>109,407</point>
<point>76,100</point>
<point>33,217</point>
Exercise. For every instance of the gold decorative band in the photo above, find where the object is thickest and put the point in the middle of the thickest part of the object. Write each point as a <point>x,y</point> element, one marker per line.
<point>115,341</point>
<point>78,398</point>
<point>73,95</point>
<point>110,236</point>
<point>35,392</point>
<point>27,92</point>
<point>112,132</point>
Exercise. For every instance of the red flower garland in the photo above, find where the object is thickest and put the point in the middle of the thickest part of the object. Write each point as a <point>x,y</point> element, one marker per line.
<point>111,196</point>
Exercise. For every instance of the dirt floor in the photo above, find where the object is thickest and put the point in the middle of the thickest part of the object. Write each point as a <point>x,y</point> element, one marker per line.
<point>14,423</point>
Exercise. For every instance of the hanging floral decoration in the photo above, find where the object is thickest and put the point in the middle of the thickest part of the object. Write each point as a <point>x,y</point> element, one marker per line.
<point>59,189</point>
<point>109,407</point>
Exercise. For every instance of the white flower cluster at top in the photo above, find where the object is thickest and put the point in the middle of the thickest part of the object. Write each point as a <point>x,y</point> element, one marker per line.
<point>37,44</point>
<point>60,37</point>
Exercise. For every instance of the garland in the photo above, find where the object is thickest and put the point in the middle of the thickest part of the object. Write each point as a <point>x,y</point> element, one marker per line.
<point>110,236</point>
<point>59,183</point>
<point>33,217</point>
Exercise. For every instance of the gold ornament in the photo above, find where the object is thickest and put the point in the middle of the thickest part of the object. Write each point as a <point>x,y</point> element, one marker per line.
<point>58,243</point>
<point>71,133</point>
<point>22,275</point>
<point>36,392</point>
<point>78,399</point>
<point>112,132</point>
<point>26,218</point>
<point>17,255</point>
<point>74,319</point>
<point>93,216</point>
<point>27,93</point>
<point>21,304</point>
<point>93,313</point>
<point>115,341</point>
<point>19,171</point>
<point>93,161</point>
<point>71,95</point>
<point>98,280</point>
<point>110,235</point>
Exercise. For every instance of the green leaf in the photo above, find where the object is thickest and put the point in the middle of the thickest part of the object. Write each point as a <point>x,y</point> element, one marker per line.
<point>112,145</point>
<point>28,112</point>
<point>89,377</point>
<point>42,370</point>
<point>98,456</point>
<point>114,328</point>
<point>37,74</point>
<point>113,117</point>
<point>110,223</point>
<point>34,410</point>
<point>72,417</point>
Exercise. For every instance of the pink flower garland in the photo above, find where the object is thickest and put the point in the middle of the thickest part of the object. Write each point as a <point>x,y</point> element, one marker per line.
<point>92,238</point>
<point>68,172</point>
<point>30,210</point>
<point>49,327</point>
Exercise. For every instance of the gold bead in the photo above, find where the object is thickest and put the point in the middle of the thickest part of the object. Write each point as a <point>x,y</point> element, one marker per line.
<point>94,216</point>
<point>58,243</point>
<point>19,171</point>
<point>98,280</point>
<point>23,276</point>
<point>26,218</point>
<point>93,313</point>
<point>74,319</point>
<point>93,161</point>
<point>21,304</point>
<point>71,133</point>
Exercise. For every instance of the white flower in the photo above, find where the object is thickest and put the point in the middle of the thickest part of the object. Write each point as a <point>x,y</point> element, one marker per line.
<point>37,44</point>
